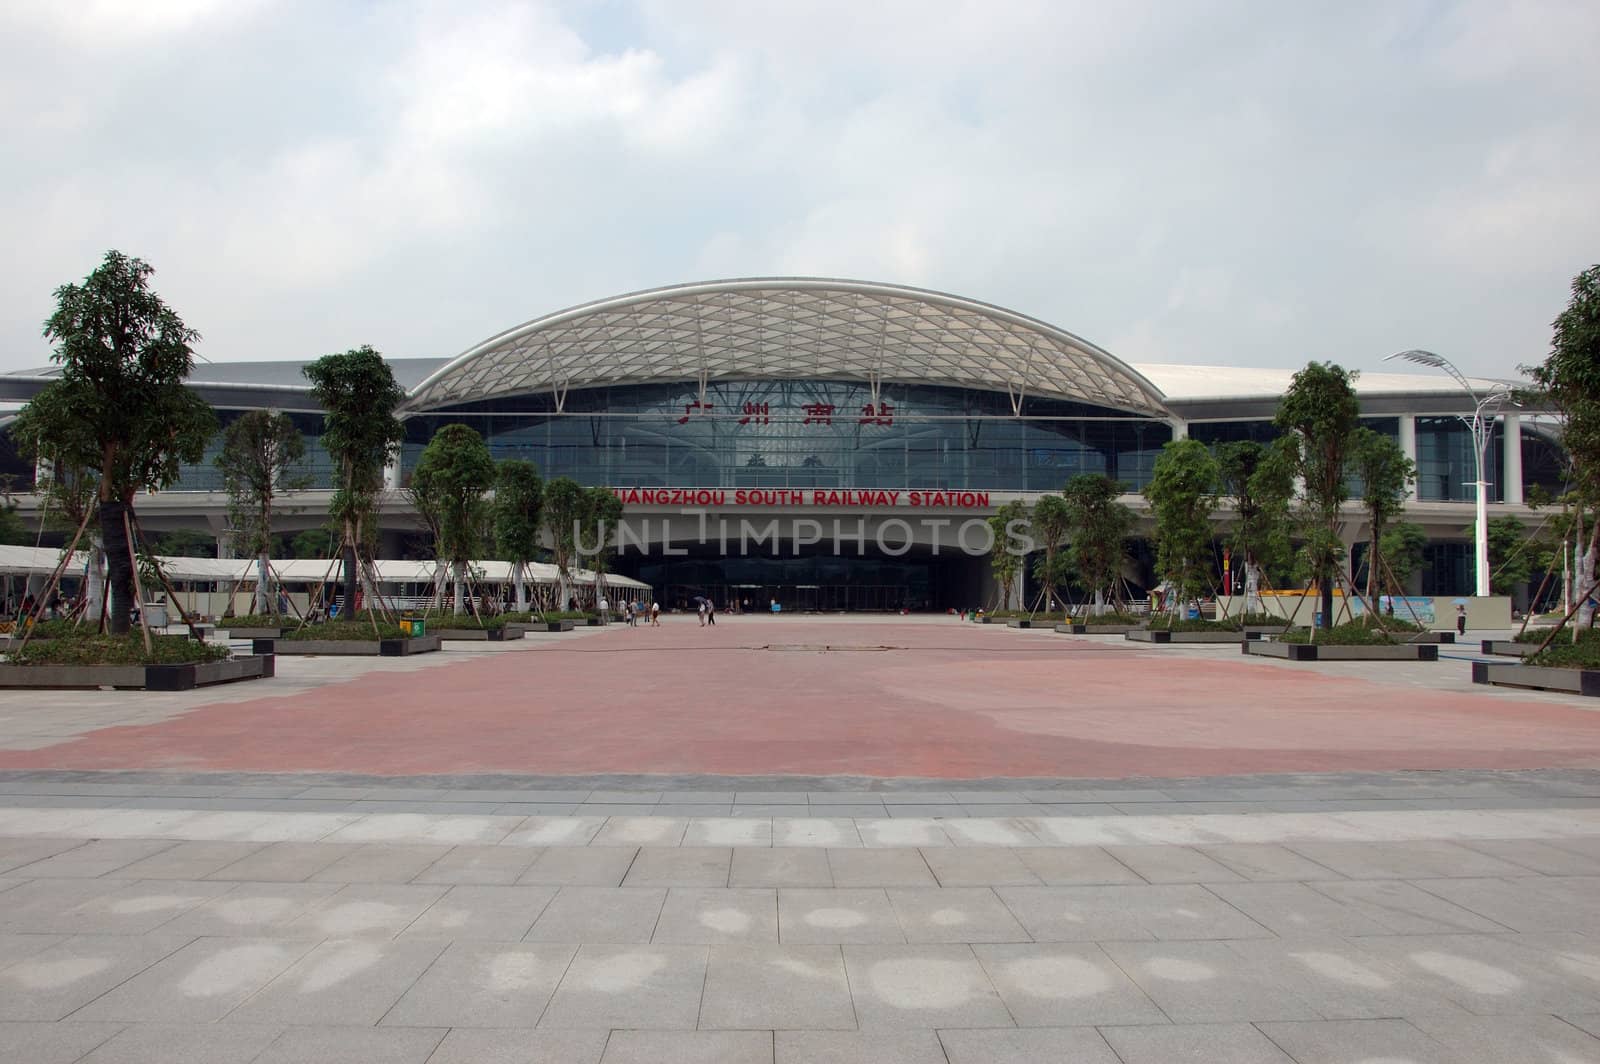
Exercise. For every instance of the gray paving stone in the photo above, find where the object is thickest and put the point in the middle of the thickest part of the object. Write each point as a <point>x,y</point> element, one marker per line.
<point>495,913</point>
<point>921,810</point>
<point>760,809</point>
<point>833,917</point>
<point>526,809</point>
<point>285,862</point>
<point>1342,980</point>
<point>630,987</point>
<point>771,798</point>
<point>777,988</point>
<point>1173,864</point>
<point>1589,1024</point>
<point>1196,982</point>
<point>484,984</point>
<point>852,1047</point>
<point>250,909</point>
<point>1404,860</point>
<point>555,831</point>
<point>954,914</point>
<point>682,866</point>
<point>343,981</point>
<point>1404,909</point>
<point>1485,974</point>
<point>1519,904</point>
<point>956,866</point>
<point>832,833</point>
<point>468,1046</point>
<point>199,983</point>
<point>641,831</point>
<point>155,1043</point>
<point>16,947</point>
<point>1350,1041</point>
<point>788,867</point>
<point>1538,856</point>
<point>879,868</point>
<point>845,797</point>
<point>902,832</point>
<point>381,862</point>
<point>352,1045</point>
<point>97,857</point>
<point>1104,913</point>
<point>990,798</point>
<point>864,810</point>
<point>1057,984</point>
<point>699,809</point>
<point>600,914</point>
<point>18,853</point>
<point>379,910</point>
<point>480,865</point>
<point>706,916</point>
<point>696,797</point>
<point>1017,809</point>
<point>1094,809</point>
<point>1075,865</point>
<point>1290,909</point>
<point>1264,862</point>
<point>614,809</point>
<point>1080,1045</point>
<point>922,987</point>
<point>51,1043</point>
<point>988,832</point>
<point>137,907</point>
<point>730,831</point>
<point>579,866</point>
<point>190,860</point>
<point>1197,1043</point>
<point>50,983</point>
<point>623,798</point>
<point>689,1047</point>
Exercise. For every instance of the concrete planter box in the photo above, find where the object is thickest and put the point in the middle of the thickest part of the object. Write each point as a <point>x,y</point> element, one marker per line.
<point>1537,677</point>
<point>139,677</point>
<point>1161,635</point>
<point>593,622</point>
<point>541,626</point>
<point>480,635</point>
<point>375,648</point>
<point>1427,637</point>
<point>253,633</point>
<point>1507,648</point>
<point>1019,622</point>
<point>1090,628</point>
<point>1323,652</point>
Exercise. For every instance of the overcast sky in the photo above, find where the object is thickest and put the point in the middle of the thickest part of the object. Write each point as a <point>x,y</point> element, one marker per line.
<point>1250,183</point>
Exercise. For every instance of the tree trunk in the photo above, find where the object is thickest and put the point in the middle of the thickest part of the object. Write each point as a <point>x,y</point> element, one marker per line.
<point>264,605</point>
<point>1252,587</point>
<point>1585,584</point>
<point>95,585</point>
<point>119,567</point>
<point>352,575</point>
<point>520,582</point>
<point>1326,587</point>
<point>458,576</point>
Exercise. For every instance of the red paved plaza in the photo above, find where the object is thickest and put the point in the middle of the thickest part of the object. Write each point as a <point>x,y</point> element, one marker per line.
<point>755,696</point>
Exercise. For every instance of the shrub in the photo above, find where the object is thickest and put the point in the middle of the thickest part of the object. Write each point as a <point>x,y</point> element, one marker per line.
<point>119,650</point>
<point>260,620</point>
<point>1349,634</point>
<point>1584,654</point>
<point>361,629</point>
<point>474,623</point>
<point>1110,617</point>
<point>1232,624</point>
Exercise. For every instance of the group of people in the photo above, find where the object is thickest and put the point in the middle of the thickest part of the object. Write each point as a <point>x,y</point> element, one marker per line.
<point>634,612</point>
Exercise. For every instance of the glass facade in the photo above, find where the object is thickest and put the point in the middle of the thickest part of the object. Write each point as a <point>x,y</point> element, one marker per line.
<point>807,434</point>
<point>1446,468</point>
<point>316,467</point>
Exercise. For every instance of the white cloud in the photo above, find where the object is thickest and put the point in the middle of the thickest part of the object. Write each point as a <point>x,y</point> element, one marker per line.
<point>1234,184</point>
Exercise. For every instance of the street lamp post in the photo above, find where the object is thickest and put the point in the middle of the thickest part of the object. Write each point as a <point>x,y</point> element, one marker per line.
<point>1482,427</point>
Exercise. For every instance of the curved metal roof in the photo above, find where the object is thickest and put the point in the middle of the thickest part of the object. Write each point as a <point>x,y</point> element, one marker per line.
<point>790,327</point>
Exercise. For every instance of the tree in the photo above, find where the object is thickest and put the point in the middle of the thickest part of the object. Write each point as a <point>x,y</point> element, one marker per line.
<point>564,510</point>
<point>358,394</point>
<point>1511,554</point>
<point>518,502</point>
<point>451,484</point>
<point>1261,484</point>
<point>1570,380</point>
<point>1005,559</point>
<point>602,513</point>
<point>1181,491</point>
<point>1101,524</point>
<point>184,543</point>
<point>1401,550</point>
<point>1385,474</point>
<point>119,405</point>
<point>1051,521</point>
<point>1317,417</point>
<point>313,543</point>
<point>261,456</point>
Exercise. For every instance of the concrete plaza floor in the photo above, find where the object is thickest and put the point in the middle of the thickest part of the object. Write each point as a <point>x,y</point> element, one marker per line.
<point>988,847</point>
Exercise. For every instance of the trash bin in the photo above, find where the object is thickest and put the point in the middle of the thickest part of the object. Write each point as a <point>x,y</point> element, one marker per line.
<point>414,626</point>
<point>155,614</point>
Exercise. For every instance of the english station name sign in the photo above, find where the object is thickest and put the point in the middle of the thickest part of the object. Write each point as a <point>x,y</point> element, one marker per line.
<point>852,498</point>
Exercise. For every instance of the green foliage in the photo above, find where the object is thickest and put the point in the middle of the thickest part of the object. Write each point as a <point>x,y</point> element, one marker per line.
<point>1385,474</point>
<point>261,456</point>
<point>1570,379</point>
<point>1112,617</point>
<point>1181,494</point>
<point>1318,418</point>
<point>1200,624</point>
<point>1401,548</point>
<point>1051,521</point>
<point>565,506</point>
<point>14,531</point>
<point>259,620</point>
<point>1005,557</point>
<point>119,406</point>
<point>1100,524</point>
<point>183,543</point>
<point>358,629</point>
<point>314,543</point>
<point>1511,554</point>
<point>1261,482</point>
<point>602,513</point>
<point>358,395</point>
<point>84,647</point>
<point>1350,634</point>
<point>450,486</point>
<point>1584,654</point>
<point>518,501</point>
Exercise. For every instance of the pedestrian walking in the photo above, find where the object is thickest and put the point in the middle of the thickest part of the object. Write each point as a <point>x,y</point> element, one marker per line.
<point>655,615</point>
<point>711,612</point>
<point>1461,618</point>
<point>702,612</point>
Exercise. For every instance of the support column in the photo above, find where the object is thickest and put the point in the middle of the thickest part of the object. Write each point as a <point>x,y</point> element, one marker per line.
<point>1180,429</point>
<point>1511,465</point>
<point>1408,444</point>
<point>391,474</point>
